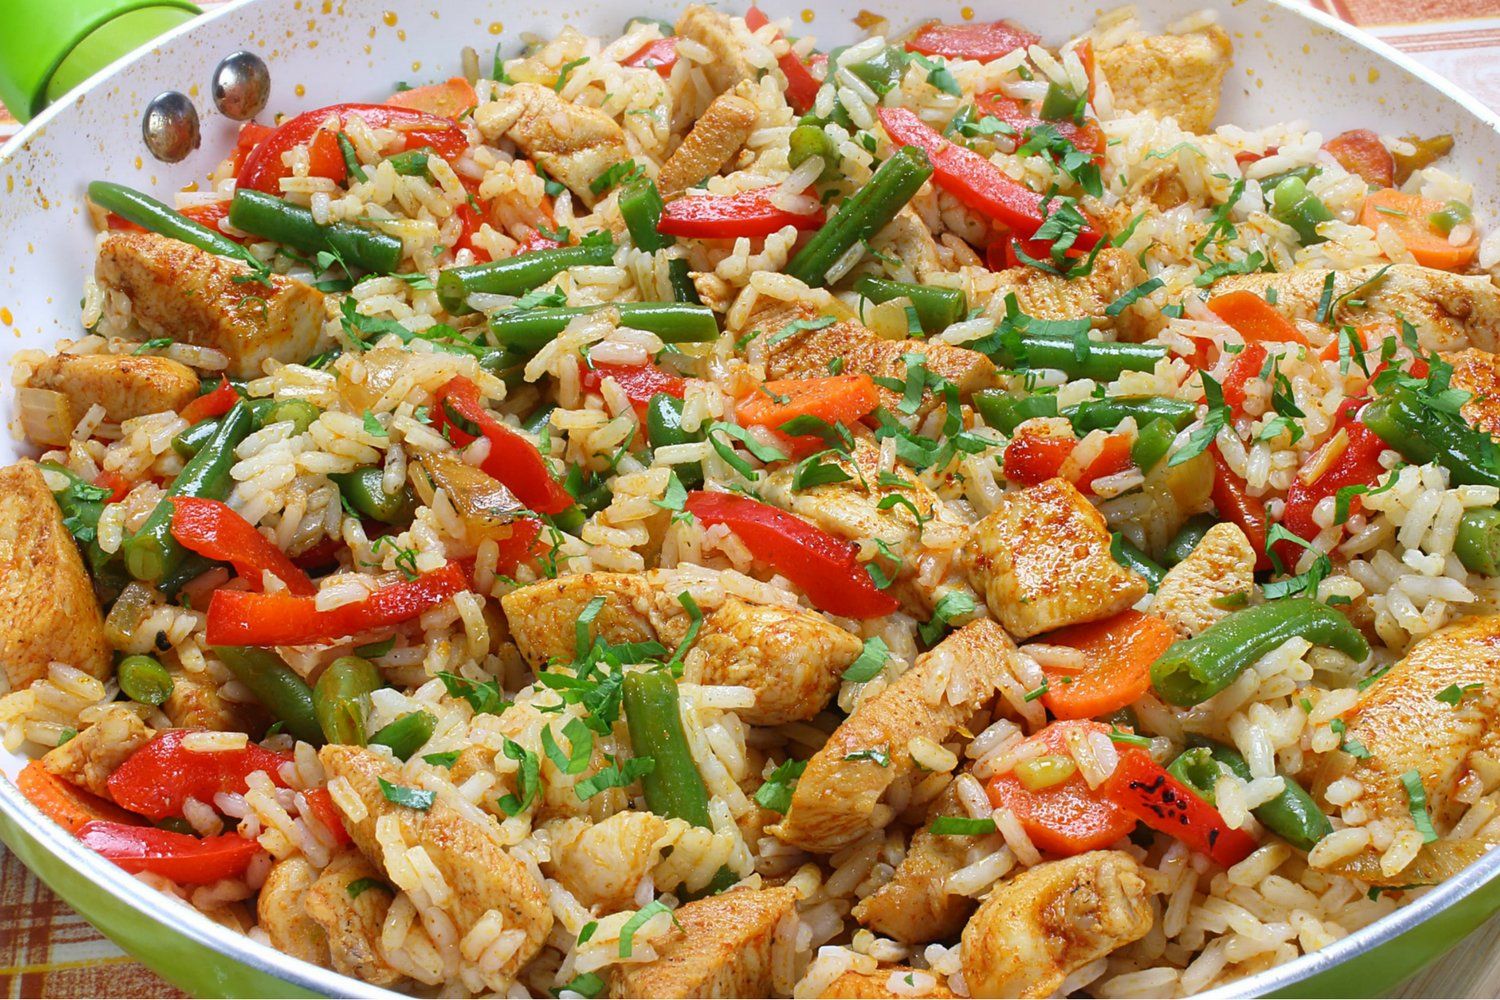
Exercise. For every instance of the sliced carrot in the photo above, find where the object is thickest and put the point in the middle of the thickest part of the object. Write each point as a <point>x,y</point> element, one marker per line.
<point>1069,817</point>
<point>63,803</point>
<point>1361,152</point>
<point>448,99</point>
<point>835,399</point>
<point>1253,318</point>
<point>1119,652</point>
<point>1366,335</point>
<point>1408,215</point>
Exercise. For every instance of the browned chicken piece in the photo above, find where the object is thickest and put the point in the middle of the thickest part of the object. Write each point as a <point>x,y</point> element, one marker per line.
<point>721,947</point>
<point>574,143</point>
<point>714,140</point>
<point>192,296</point>
<point>1051,920</point>
<point>713,30</point>
<point>1478,373</point>
<point>124,385</point>
<point>1047,296</point>
<point>1405,727</point>
<point>523,722</point>
<point>1191,596</point>
<point>915,906</point>
<point>543,616</point>
<point>806,354</point>
<point>837,799</point>
<point>282,911</point>
<point>195,703</point>
<point>906,238</point>
<point>470,856</point>
<point>349,902</point>
<point>1042,560</point>
<point>1170,76</point>
<point>1450,311</point>
<point>790,658</point>
<point>47,608</point>
<point>878,984</point>
<point>88,759</point>
<point>602,863</point>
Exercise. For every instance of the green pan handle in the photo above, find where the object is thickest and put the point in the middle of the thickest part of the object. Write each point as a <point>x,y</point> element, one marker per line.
<point>47,47</point>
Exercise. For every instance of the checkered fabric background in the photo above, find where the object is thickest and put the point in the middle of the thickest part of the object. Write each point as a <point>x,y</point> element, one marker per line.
<point>47,950</point>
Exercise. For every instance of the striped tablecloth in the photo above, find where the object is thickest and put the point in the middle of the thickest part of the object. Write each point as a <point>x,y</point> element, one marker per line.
<point>47,950</point>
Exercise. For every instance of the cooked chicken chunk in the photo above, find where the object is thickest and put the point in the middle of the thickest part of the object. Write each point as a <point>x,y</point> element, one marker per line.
<point>790,658</point>
<point>179,291</point>
<point>603,863</point>
<point>722,948</point>
<point>88,759</point>
<point>195,703</point>
<point>1404,727</point>
<point>885,982</point>
<point>124,385</point>
<point>915,906</point>
<point>1170,76</point>
<point>543,616</point>
<point>1478,373</point>
<point>1450,311</point>
<point>1051,920</point>
<point>47,608</point>
<point>1042,560</point>
<point>351,921</point>
<point>574,143</point>
<point>713,30</point>
<point>714,140</point>
<point>1190,597</point>
<point>907,239</point>
<point>476,870</point>
<point>837,800</point>
<point>1047,296</point>
<point>282,911</point>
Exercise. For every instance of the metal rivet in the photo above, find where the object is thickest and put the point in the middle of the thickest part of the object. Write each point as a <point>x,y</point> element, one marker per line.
<point>170,126</point>
<point>241,86</point>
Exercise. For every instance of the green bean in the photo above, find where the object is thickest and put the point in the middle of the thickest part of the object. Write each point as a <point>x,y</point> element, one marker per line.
<point>152,553</point>
<point>406,735</point>
<point>81,512</point>
<point>807,141</point>
<point>664,427</point>
<point>882,71</point>
<point>1477,543</point>
<point>300,412</point>
<point>144,679</point>
<point>148,213</point>
<point>1188,536</point>
<point>1127,555</point>
<point>1292,814</point>
<point>541,418</point>
<point>641,207</point>
<point>674,322</point>
<point>1061,104</point>
<point>411,163</point>
<point>674,788</point>
<point>937,308</point>
<point>188,442</point>
<point>862,215</point>
<point>1304,173</point>
<point>569,520</point>
<point>1152,442</point>
<point>192,566</point>
<point>1293,204</point>
<point>176,824</point>
<point>1193,670</point>
<point>276,686</point>
<point>516,275</point>
<point>1422,435</point>
<point>341,699</point>
<point>1006,411</point>
<point>591,490</point>
<point>683,289</point>
<point>269,216</point>
<point>1451,214</point>
<point>1108,413</point>
<point>1103,361</point>
<point>364,491</point>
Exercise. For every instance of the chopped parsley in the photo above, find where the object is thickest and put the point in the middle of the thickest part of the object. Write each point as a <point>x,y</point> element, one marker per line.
<point>870,661</point>
<point>775,793</point>
<point>411,798</point>
<point>1416,802</point>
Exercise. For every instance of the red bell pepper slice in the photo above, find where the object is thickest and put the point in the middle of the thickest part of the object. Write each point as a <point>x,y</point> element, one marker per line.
<point>242,618</point>
<point>213,529</point>
<point>320,804</point>
<point>1066,818</point>
<point>983,42</point>
<point>117,485</point>
<point>659,54</point>
<point>263,170</point>
<point>640,382</point>
<point>722,217</point>
<point>184,859</point>
<point>1021,116</point>
<point>975,181</point>
<point>471,219</point>
<point>1245,366</point>
<point>512,460</point>
<point>1033,457</point>
<point>801,85</point>
<point>1145,789</point>
<point>536,241</point>
<point>523,545</point>
<point>1357,465</point>
<point>824,567</point>
<point>252,134</point>
<point>1113,457</point>
<point>160,776</point>
<point>1233,501</point>
<point>215,403</point>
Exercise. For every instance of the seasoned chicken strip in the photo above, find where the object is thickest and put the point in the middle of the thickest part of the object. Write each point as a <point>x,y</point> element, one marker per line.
<point>88,759</point>
<point>352,922</point>
<point>124,385</point>
<point>915,906</point>
<point>716,137</point>
<point>603,863</point>
<point>714,31</point>
<point>1042,560</point>
<point>721,948</point>
<point>543,616</point>
<point>1478,373</point>
<point>837,799</point>
<point>47,608</point>
<point>179,291</point>
<point>1190,597</point>
<point>1405,728</point>
<point>479,873</point>
<point>1047,296</point>
<point>1170,76</point>
<point>907,239</point>
<point>574,143</point>
<point>1450,311</point>
<point>884,982</point>
<point>195,703</point>
<point>282,911</point>
<point>1051,920</point>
